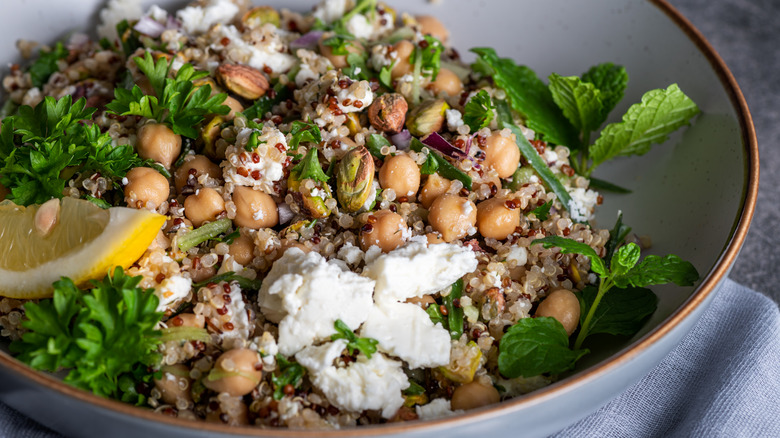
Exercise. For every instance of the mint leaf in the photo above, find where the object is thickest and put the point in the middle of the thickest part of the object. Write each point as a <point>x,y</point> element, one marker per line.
<point>530,97</point>
<point>478,112</point>
<point>625,258</point>
<point>611,80</point>
<point>659,270</point>
<point>570,246</point>
<point>660,113</point>
<point>46,64</point>
<point>580,101</point>
<point>616,237</point>
<point>620,312</point>
<point>535,346</point>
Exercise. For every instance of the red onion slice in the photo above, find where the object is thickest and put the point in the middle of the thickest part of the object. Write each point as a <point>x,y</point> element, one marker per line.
<point>149,26</point>
<point>402,140</point>
<point>285,213</point>
<point>436,141</point>
<point>307,41</point>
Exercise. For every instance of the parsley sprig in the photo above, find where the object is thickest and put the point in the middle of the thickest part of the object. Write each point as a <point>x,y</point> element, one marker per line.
<point>478,112</point>
<point>41,148</point>
<point>367,346</point>
<point>106,336</point>
<point>177,102</point>
<point>46,64</point>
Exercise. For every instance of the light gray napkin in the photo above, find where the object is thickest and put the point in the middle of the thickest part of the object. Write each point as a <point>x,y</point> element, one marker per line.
<point>723,380</point>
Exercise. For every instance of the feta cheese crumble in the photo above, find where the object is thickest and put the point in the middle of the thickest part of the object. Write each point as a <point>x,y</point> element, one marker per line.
<point>259,168</point>
<point>374,383</point>
<point>306,294</point>
<point>199,19</point>
<point>583,203</point>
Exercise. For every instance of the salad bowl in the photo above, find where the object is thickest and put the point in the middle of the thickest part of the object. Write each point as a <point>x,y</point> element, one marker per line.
<point>692,196</point>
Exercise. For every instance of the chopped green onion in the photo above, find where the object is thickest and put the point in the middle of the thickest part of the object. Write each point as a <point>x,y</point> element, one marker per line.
<point>454,313</point>
<point>204,233</point>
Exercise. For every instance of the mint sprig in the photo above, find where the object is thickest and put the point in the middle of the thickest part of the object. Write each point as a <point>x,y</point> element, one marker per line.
<point>536,346</point>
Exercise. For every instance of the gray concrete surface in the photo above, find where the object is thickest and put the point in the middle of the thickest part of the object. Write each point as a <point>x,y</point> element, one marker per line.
<point>746,33</point>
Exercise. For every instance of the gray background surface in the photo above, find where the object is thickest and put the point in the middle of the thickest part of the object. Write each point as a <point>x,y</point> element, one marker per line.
<point>746,34</point>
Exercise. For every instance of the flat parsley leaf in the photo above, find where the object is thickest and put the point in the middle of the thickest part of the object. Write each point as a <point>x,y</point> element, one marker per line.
<point>309,168</point>
<point>46,64</point>
<point>99,336</point>
<point>303,132</point>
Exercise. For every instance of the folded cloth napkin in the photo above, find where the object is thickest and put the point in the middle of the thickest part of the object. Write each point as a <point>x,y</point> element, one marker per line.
<point>723,380</point>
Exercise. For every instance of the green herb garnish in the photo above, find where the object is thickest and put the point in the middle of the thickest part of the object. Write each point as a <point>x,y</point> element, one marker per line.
<point>177,102</point>
<point>290,373</point>
<point>367,346</point>
<point>103,336</point>
<point>204,233</point>
<point>478,112</point>
<point>309,168</point>
<point>454,313</point>
<point>536,346</point>
<point>46,64</point>
<point>303,132</point>
<point>443,167</point>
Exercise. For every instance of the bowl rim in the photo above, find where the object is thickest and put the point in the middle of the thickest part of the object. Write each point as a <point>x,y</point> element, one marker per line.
<point>706,287</point>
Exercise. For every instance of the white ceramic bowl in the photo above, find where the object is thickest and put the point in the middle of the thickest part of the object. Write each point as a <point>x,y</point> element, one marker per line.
<point>694,196</point>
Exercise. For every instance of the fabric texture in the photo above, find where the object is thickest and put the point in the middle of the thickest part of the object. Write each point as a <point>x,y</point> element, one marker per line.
<point>723,380</point>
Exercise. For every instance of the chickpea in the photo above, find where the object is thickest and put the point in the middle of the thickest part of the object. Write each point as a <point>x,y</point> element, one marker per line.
<point>289,243</point>
<point>174,384</point>
<point>254,209</point>
<point>204,206</point>
<point>434,238</point>
<point>159,143</point>
<point>187,320</point>
<point>236,372</point>
<point>434,187</point>
<point>562,305</point>
<point>502,154</point>
<point>452,216</point>
<point>387,232</point>
<point>423,301</point>
<point>446,82</point>
<point>234,105</point>
<point>403,50</point>
<point>430,25</point>
<point>200,165</point>
<point>400,173</point>
<point>495,220</point>
<point>339,61</point>
<point>146,185</point>
<point>242,249</point>
<point>474,395</point>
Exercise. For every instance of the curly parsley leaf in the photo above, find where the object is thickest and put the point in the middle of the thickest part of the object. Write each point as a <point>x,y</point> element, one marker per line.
<point>101,336</point>
<point>303,132</point>
<point>290,373</point>
<point>367,346</point>
<point>177,102</point>
<point>530,97</point>
<point>535,346</point>
<point>660,113</point>
<point>46,64</point>
<point>309,168</point>
<point>478,112</point>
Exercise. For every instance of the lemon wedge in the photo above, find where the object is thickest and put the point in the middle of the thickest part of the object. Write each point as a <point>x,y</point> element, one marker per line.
<point>69,238</point>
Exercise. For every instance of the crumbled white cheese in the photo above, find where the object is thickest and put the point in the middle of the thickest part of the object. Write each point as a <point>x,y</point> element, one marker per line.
<point>359,26</point>
<point>374,384</point>
<point>270,51</point>
<point>437,408</point>
<point>583,203</point>
<point>269,165</point>
<point>454,119</point>
<point>114,12</point>
<point>171,290</point>
<point>330,10</point>
<point>267,348</point>
<point>237,316</point>
<point>306,294</point>
<point>197,19</point>
<point>380,57</point>
<point>351,254</point>
<point>406,331</point>
<point>359,91</point>
<point>519,254</point>
<point>417,269</point>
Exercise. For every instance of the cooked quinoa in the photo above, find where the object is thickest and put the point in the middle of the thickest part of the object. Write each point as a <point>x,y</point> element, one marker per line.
<point>375,256</point>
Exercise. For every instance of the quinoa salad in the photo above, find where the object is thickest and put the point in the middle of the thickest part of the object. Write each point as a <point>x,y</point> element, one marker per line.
<point>355,226</point>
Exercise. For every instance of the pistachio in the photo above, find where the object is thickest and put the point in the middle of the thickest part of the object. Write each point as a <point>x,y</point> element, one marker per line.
<point>355,179</point>
<point>259,16</point>
<point>209,137</point>
<point>427,117</point>
<point>463,364</point>
<point>243,80</point>
<point>311,198</point>
<point>353,123</point>
<point>388,113</point>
